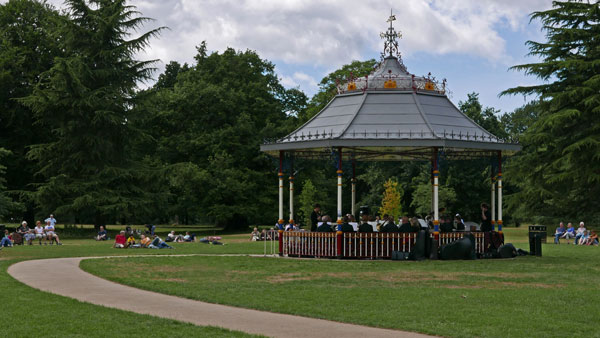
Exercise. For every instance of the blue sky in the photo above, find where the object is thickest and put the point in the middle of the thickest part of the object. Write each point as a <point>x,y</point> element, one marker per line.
<point>471,43</point>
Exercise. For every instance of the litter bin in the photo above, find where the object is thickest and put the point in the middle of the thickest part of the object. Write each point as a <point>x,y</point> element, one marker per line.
<point>539,229</point>
<point>535,243</point>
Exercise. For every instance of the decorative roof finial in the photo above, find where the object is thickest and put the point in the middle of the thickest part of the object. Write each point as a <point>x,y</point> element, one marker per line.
<point>390,46</point>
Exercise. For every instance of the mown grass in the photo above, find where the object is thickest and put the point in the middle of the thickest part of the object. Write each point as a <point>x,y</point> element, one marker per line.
<point>555,295</point>
<point>28,312</point>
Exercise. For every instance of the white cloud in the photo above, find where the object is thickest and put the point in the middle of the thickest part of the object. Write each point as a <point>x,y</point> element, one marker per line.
<point>300,79</point>
<point>333,32</point>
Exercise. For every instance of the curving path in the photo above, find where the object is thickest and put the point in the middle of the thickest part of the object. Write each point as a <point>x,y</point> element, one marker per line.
<point>63,276</point>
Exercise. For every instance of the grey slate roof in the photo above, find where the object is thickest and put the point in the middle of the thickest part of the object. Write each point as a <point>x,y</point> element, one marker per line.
<point>391,123</point>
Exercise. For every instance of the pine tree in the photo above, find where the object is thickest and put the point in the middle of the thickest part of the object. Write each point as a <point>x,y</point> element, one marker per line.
<point>84,101</point>
<point>558,167</point>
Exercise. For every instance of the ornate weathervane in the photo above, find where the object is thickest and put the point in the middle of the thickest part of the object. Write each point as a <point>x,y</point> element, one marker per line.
<point>390,46</point>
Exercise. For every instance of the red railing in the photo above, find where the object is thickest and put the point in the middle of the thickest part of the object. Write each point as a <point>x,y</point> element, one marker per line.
<point>361,245</point>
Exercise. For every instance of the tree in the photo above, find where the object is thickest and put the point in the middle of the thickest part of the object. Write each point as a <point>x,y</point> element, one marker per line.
<point>486,118</point>
<point>391,204</point>
<point>209,125</point>
<point>85,101</point>
<point>421,198</point>
<point>307,199</point>
<point>28,45</point>
<point>6,203</point>
<point>557,171</point>
<point>328,89</point>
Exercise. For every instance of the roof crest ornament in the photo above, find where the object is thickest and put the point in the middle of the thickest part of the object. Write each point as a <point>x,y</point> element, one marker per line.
<point>390,45</point>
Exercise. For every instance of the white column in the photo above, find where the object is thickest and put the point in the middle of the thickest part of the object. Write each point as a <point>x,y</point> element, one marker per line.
<point>436,207</point>
<point>291,197</point>
<point>499,191</point>
<point>339,195</point>
<point>493,201</point>
<point>353,196</point>
<point>280,197</point>
<point>280,187</point>
<point>339,186</point>
<point>499,199</point>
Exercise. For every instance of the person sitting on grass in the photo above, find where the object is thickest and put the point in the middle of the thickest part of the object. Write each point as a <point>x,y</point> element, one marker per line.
<point>102,235</point>
<point>130,241</point>
<point>560,231</point>
<point>188,237</point>
<point>569,233</point>
<point>158,243</point>
<point>51,234</point>
<point>145,241</point>
<point>6,240</point>
<point>255,235</point>
<point>579,233</point>
<point>120,240</point>
<point>593,240</point>
<point>214,240</point>
<point>171,237</point>
<point>39,232</point>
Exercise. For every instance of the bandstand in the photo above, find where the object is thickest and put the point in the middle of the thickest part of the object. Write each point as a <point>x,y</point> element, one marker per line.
<point>389,115</point>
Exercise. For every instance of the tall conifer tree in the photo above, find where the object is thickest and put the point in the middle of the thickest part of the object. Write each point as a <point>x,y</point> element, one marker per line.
<point>84,100</point>
<point>558,168</point>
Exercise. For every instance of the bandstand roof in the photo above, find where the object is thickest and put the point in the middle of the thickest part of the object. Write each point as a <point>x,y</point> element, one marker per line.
<point>391,115</point>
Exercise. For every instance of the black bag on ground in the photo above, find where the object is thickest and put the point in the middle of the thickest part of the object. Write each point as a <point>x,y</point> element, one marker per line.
<point>418,252</point>
<point>463,248</point>
<point>507,251</point>
<point>399,255</point>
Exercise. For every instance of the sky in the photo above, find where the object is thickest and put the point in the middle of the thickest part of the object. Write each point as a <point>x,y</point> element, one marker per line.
<point>471,43</point>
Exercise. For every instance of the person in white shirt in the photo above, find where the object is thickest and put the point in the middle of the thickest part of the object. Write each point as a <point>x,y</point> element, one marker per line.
<point>580,232</point>
<point>39,232</point>
<point>51,234</point>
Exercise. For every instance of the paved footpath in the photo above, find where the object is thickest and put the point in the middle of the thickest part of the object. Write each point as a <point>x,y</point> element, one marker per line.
<point>63,276</point>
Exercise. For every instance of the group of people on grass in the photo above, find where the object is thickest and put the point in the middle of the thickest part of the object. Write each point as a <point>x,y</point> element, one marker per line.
<point>271,234</point>
<point>581,236</point>
<point>25,235</point>
<point>150,240</point>
<point>123,241</point>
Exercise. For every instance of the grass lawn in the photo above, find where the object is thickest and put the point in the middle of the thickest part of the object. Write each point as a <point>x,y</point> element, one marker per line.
<point>31,313</point>
<point>555,295</point>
